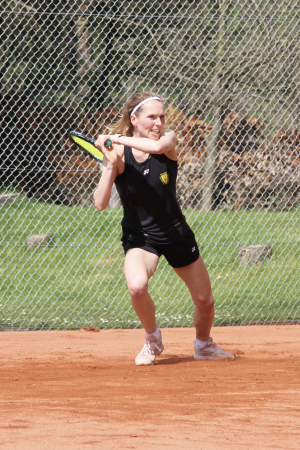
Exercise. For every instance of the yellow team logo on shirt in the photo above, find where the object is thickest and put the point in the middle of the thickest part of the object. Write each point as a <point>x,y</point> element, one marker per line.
<point>164,177</point>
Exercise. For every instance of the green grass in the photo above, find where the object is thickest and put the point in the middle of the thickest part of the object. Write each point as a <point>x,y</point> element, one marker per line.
<point>78,279</point>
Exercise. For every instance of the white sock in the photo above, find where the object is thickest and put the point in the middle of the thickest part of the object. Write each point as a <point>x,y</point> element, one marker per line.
<point>156,334</point>
<point>200,344</point>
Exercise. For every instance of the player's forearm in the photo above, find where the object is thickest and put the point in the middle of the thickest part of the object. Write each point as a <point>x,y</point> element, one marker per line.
<point>162,145</point>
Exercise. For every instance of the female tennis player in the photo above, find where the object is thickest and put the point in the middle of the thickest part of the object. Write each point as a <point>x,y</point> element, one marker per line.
<point>142,162</point>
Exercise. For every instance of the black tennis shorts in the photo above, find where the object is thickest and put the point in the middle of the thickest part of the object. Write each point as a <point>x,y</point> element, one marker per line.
<point>180,253</point>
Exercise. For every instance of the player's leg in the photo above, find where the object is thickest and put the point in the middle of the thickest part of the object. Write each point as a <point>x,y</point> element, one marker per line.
<point>196,278</point>
<point>140,265</point>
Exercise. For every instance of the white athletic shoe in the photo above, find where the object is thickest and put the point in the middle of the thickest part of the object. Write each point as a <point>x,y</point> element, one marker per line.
<point>211,352</point>
<point>148,352</point>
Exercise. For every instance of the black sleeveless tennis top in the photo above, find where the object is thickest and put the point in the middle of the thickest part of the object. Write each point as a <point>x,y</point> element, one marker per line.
<point>148,194</point>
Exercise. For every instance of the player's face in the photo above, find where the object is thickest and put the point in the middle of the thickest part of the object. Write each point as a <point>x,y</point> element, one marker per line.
<point>150,120</point>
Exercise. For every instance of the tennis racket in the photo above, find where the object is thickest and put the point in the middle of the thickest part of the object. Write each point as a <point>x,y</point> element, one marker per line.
<point>87,144</point>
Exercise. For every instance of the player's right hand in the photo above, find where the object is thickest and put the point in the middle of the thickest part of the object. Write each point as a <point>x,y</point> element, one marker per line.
<point>110,153</point>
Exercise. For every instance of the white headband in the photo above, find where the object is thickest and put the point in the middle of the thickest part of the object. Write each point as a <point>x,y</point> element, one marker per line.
<point>144,101</point>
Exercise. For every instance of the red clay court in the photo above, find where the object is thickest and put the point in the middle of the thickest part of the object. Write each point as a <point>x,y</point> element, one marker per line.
<point>81,390</point>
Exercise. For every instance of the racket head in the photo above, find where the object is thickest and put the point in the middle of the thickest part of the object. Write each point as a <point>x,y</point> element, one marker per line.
<point>87,144</point>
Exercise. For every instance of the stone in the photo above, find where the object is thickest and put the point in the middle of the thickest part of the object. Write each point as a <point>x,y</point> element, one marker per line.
<point>254,254</point>
<point>5,198</point>
<point>39,239</point>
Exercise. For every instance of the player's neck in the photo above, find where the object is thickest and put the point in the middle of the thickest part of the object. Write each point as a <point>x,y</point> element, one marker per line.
<point>140,156</point>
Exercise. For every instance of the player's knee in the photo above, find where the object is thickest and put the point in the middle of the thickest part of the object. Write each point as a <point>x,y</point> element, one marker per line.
<point>205,303</point>
<point>138,287</point>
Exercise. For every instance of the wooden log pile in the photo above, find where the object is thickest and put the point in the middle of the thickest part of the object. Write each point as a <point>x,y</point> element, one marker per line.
<point>250,172</point>
<point>240,134</point>
<point>264,177</point>
<point>191,134</point>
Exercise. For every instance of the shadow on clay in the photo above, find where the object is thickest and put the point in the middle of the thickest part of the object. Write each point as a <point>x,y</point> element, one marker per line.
<point>174,359</point>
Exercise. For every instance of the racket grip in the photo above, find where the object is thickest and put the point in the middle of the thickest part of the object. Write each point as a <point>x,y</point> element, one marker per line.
<point>108,143</point>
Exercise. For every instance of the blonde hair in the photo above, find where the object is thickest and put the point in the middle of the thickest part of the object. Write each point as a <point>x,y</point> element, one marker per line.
<point>123,124</point>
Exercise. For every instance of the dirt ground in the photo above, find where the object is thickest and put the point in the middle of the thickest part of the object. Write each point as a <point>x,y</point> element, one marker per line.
<point>82,390</point>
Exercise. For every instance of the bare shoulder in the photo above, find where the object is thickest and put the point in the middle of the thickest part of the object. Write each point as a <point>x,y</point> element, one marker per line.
<point>170,135</point>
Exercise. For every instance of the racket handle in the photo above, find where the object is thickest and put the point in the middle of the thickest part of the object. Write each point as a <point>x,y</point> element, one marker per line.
<point>108,143</point>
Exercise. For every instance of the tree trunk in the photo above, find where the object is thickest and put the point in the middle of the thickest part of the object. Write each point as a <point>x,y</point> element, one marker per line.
<point>100,88</point>
<point>212,139</point>
<point>129,85</point>
<point>83,54</point>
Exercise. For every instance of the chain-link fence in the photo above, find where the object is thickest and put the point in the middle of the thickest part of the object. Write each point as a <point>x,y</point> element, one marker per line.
<point>230,74</point>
